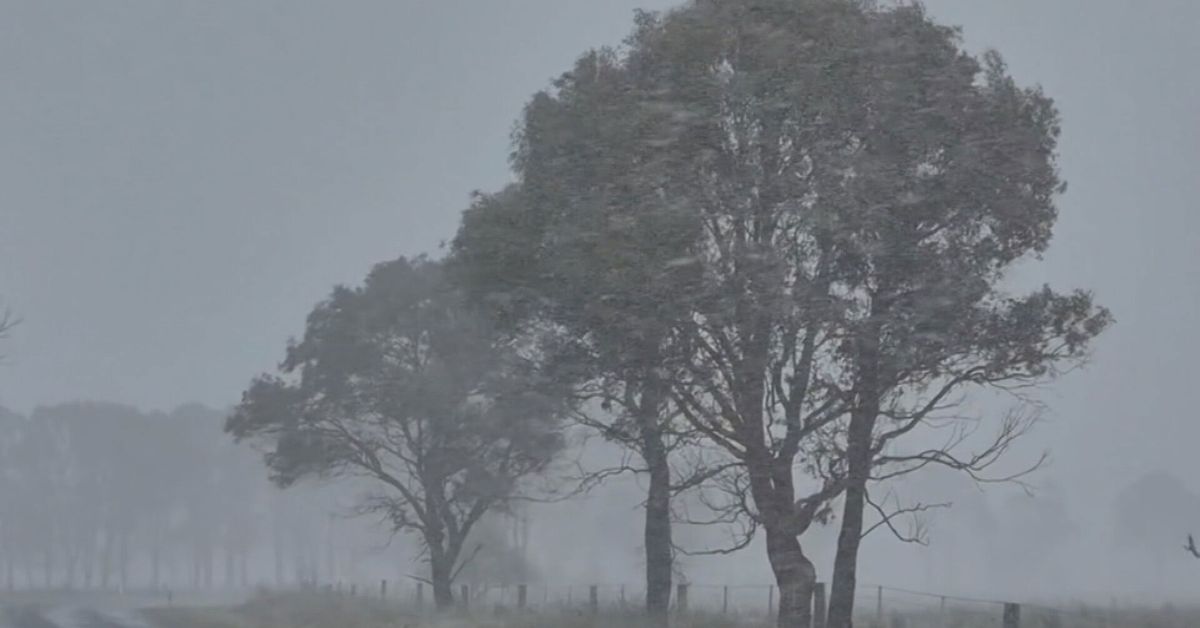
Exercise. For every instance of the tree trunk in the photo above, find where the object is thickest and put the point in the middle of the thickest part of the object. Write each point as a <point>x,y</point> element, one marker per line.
<point>196,567</point>
<point>657,536</point>
<point>278,562</point>
<point>860,457</point>
<point>207,556</point>
<point>845,565</point>
<point>124,561</point>
<point>330,561</point>
<point>48,567</point>
<point>659,557</point>
<point>89,564</point>
<point>440,571</point>
<point>69,572</point>
<point>106,560</point>
<point>245,572</point>
<point>795,577</point>
<point>155,561</point>
<point>230,577</point>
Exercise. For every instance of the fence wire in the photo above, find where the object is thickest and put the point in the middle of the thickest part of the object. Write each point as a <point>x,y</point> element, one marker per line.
<point>877,606</point>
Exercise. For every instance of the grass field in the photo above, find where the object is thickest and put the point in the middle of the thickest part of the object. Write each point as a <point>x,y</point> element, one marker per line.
<point>329,610</point>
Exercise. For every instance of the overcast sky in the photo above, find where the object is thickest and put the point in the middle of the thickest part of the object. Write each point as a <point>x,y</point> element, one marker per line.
<point>181,181</point>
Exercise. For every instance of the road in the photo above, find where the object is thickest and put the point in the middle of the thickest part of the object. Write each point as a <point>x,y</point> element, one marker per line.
<point>98,609</point>
<point>70,616</point>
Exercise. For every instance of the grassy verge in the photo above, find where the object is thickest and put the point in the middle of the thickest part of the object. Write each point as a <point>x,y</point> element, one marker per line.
<point>323,610</point>
<point>328,610</point>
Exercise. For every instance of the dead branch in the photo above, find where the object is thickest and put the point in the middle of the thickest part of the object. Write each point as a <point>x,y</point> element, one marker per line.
<point>918,533</point>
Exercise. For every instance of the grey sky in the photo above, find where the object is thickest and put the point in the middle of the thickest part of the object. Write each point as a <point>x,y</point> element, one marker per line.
<point>181,181</point>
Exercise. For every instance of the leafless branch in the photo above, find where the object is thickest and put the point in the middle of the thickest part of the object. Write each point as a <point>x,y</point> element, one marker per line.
<point>918,531</point>
<point>739,540</point>
<point>1191,547</point>
<point>1015,425</point>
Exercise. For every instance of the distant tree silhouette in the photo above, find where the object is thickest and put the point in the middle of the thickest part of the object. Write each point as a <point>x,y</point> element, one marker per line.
<point>401,384</point>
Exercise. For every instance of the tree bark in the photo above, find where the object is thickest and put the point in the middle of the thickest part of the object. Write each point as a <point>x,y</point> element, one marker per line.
<point>860,456</point>
<point>657,536</point>
<point>440,574</point>
<point>659,557</point>
<point>845,565</point>
<point>795,577</point>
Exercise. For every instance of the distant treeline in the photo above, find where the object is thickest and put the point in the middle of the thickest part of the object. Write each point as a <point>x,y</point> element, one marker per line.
<point>104,495</point>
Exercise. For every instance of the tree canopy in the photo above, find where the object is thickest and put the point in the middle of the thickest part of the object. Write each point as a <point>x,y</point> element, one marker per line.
<point>401,383</point>
<point>803,212</point>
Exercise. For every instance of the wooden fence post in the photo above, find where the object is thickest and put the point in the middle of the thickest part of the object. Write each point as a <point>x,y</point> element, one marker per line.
<point>622,597</point>
<point>725,600</point>
<point>383,589</point>
<point>818,606</point>
<point>681,598</point>
<point>594,599</point>
<point>465,592</point>
<point>1012,615</point>
<point>420,595</point>
<point>879,607</point>
<point>521,597</point>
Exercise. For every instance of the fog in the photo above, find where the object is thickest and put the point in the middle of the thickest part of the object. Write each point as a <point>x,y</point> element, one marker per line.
<point>181,182</point>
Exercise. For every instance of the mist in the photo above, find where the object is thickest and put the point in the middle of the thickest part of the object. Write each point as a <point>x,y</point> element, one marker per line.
<point>181,183</point>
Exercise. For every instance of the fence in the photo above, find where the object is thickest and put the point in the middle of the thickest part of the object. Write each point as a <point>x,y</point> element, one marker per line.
<point>878,606</point>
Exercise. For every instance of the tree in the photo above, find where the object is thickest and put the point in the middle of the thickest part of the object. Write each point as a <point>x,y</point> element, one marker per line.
<point>951,179</point>
<point>568,248</point>
<point>13,498</point>
<point>834,192</point>
<point>399,382</point>
<point>755,88</point>
<point>669,190</point>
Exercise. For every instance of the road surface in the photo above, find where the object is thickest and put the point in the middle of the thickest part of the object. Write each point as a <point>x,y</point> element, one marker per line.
<point>70,616</point>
